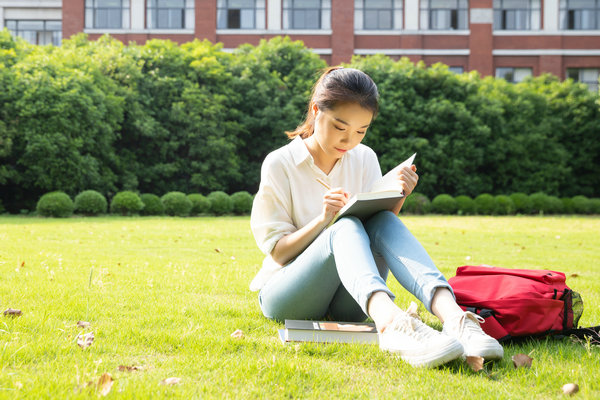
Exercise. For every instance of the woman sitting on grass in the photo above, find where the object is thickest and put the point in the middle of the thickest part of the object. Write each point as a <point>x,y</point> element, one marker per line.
<point>339,272</point>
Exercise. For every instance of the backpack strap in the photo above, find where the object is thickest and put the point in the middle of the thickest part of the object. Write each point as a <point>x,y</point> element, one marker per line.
<point>593,332</point>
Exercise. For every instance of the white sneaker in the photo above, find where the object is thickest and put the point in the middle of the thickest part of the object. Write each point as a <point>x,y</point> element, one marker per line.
<point>466,329</point>
<point>417,343</point>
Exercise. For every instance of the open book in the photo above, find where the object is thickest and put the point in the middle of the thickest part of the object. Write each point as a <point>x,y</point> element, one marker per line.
<point>384,195</point>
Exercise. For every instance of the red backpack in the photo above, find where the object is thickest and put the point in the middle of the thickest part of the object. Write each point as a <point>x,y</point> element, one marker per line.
<point>519,302</point>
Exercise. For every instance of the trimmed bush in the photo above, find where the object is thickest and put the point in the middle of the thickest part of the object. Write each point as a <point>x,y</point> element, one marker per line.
<point>567,205</point>
<point>465,204</point>
<point>152,204</point>
<point>581,205</point>
<point>444,204</point>
<point>485,204</point>
<point>540,203</point>
<point>90,202</point>
<point>416,203</point>
<point>200,204</point>
<point>522,203</point>
<point>504,205</point>
<point>126,203</point>
<point>1,207</point>
<point>555,205</point>
<point>220,203</point>
<point>242,202</point>
<point>177,204</point>
<point>594,206</point>
<point>55,204</point>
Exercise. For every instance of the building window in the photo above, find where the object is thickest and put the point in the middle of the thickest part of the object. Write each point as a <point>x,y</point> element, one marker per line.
<point>580,14</point>
<point>517,15</point>
<point>306,14</point>
<point>241,14</point>
<point>36,31</point>
<point>378,14</point>
<point>589,76</point>
<point>170,14</point>
<point>456,70</point>
<point>444,14</point>
<point>107,14</point>
<point>513,75</point>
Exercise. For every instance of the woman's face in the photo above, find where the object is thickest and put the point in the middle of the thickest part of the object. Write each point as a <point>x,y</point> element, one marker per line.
<point>341,129</point>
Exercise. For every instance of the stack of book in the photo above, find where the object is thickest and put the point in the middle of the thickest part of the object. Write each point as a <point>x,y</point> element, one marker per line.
<point>329,332</point>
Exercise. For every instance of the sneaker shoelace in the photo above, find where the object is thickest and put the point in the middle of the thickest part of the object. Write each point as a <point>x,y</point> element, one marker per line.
<point>469,324</point>
<point>413,327</point>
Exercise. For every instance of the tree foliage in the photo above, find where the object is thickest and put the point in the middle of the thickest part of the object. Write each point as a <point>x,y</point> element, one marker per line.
<point>100,115</point>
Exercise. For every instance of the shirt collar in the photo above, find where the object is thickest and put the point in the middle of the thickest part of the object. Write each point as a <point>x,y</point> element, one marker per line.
<point>299,150</point>
<point>300,153</point>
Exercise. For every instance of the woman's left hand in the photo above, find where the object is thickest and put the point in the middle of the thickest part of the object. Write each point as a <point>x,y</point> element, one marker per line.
<point>408,178</point>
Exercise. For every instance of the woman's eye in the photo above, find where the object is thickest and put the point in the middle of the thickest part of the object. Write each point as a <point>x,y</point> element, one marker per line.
<point>338,128</point>
<point>361,132</point>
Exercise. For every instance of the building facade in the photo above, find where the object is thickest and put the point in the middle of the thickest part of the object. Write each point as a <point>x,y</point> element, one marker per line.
<point>506,38</point>
<point>38,21</point>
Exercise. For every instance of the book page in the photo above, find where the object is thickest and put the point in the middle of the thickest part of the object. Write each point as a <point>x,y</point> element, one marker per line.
<point>390,180</point>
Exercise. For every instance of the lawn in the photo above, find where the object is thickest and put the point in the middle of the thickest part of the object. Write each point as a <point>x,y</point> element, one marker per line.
<point>163,295</point>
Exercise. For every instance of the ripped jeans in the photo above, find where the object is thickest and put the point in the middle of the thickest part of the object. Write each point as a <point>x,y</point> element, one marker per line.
<point>339,271</point>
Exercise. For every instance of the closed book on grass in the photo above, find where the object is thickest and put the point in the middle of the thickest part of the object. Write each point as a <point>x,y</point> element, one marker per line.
<point>328,332</point>
<point>384,195</point>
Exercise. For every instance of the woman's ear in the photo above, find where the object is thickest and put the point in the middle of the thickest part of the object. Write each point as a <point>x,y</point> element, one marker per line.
<point>314,108</point>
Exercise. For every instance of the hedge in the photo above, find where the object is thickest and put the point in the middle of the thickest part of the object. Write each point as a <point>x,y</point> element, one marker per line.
<point>59,204</point>
<point>90,202</point>
<point>126,203</point>
<point>55,204</point>
<point>176,203</point>
<point>163,117</point>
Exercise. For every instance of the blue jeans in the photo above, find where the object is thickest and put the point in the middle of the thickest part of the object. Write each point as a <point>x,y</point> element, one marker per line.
<point>339,271</point>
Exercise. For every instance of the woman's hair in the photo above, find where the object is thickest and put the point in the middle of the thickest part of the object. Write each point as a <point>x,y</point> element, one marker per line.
<point>339,85</point>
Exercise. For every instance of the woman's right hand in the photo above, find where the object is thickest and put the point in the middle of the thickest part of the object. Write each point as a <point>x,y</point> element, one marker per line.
<point>333,201</point>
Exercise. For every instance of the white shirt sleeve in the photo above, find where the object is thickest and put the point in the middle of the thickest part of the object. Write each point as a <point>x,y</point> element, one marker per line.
<point>271,211</point>
<point>372,170</point>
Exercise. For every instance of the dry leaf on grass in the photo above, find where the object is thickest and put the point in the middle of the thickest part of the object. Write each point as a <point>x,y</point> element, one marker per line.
<point>522,360</point>
<point>475,362</point>
<point>130,368</point>
<point>217,250</point>
<point>104,384</point>
<point>570,388</point>
<point>238,334</point>
<point>85,341</point>
<point>83,324</point>
<point>574,275</point>
<point>170,381</point>
<point>12,312</point>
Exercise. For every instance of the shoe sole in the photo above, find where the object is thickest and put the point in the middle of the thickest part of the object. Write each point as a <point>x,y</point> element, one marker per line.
<point>489,353</point>
<point>451,352</point>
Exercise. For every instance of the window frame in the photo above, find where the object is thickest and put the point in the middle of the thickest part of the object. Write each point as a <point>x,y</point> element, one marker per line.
<point>513,72</point>
<point>426,15</point>
<point>396,11</point>
<point>565,15</point>
<point>224,11</point>
<point>324,12</point>
<point>56,33</point>
<point>153,9</point>
<point>594,86</point>
<point>91,14</point>
<point>533,20</point>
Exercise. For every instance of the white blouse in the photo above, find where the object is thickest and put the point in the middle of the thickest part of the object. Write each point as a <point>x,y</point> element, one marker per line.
<point>289,196</point>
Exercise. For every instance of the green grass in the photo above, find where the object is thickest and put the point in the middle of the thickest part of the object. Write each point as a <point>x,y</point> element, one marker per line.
<point>166,293</point>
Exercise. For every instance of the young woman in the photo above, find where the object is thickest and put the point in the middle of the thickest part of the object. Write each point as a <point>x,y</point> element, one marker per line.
<point>314,271</point>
